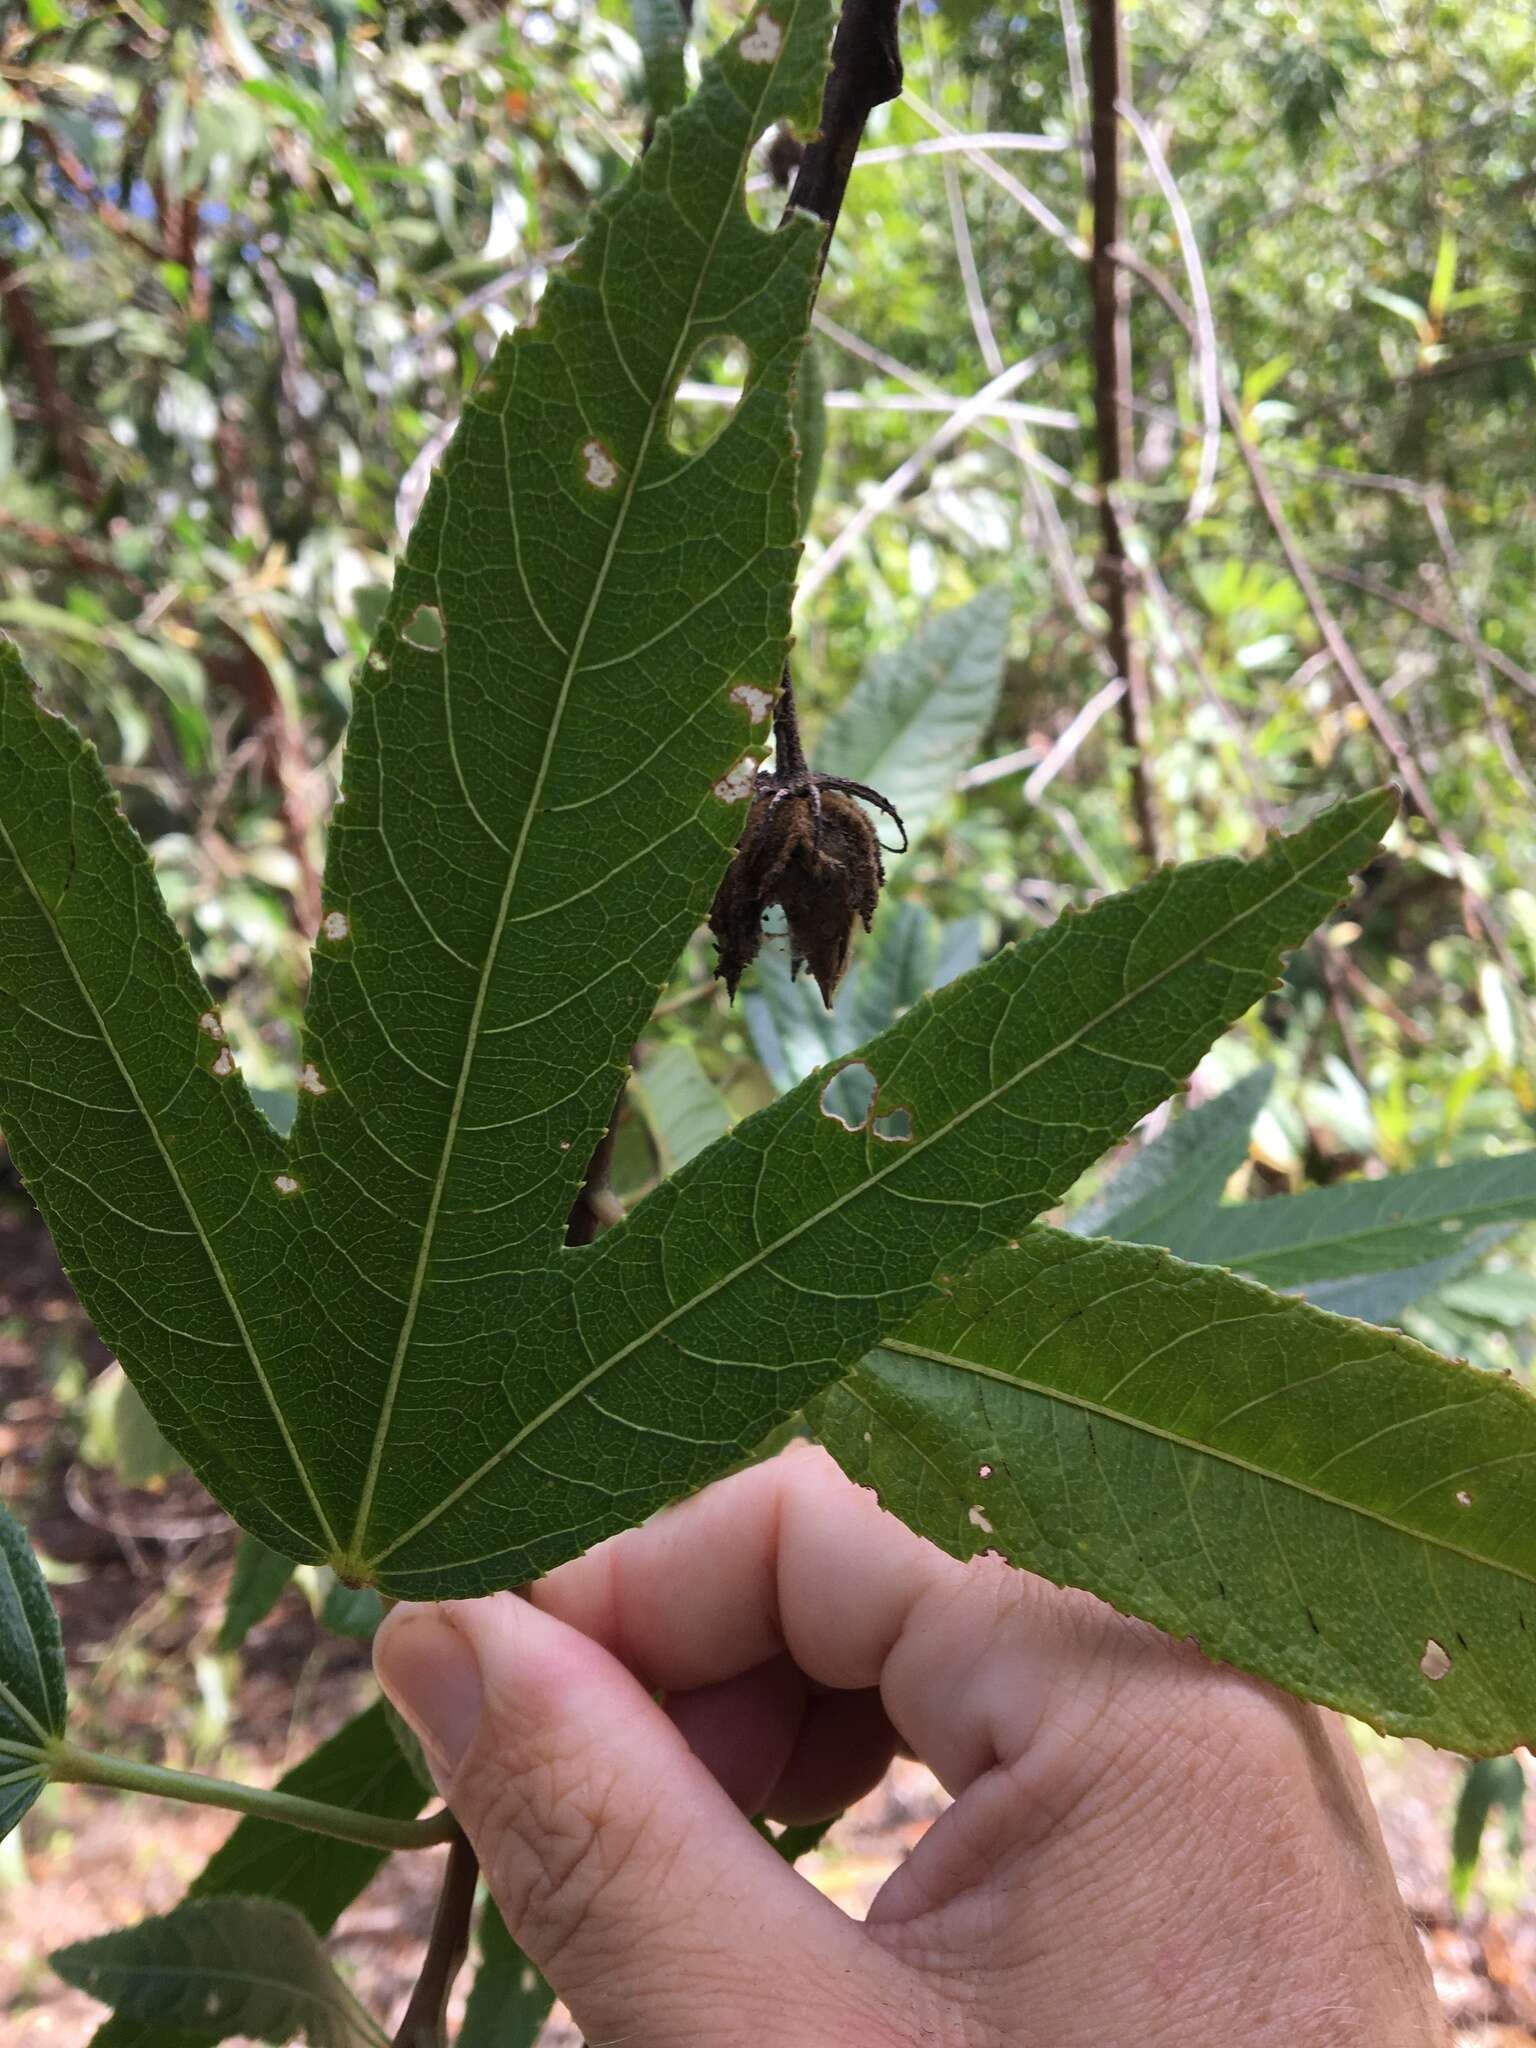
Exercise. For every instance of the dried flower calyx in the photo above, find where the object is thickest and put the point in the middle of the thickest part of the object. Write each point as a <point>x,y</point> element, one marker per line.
<point>810,849</point>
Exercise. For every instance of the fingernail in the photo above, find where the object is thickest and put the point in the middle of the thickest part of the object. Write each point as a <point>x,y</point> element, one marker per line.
<point>432,1674</point>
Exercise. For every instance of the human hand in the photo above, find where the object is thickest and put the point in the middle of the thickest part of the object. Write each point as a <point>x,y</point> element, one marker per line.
<point>1143,1848</point>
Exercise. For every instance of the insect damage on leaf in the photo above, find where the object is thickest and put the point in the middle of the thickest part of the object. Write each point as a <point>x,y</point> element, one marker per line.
<point>810,849</point>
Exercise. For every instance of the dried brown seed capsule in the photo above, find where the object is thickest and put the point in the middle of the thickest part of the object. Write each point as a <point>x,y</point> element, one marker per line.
<point>810,849</point>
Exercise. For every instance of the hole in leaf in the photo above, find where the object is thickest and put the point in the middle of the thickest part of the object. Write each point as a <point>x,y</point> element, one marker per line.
<point>708,394</point>
<point>983,1471</point>
<point>895,1126</point>
<point>1463,1499</point>
<point>850,1095</point>
<point>1435,1661</point>
<point>424,629</point>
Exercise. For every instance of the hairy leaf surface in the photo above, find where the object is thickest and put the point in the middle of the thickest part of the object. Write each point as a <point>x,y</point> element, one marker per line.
<point>1328,1505</point>
<point>1357,1226</point>
<point>227,1966</point>
<point>361,1767</point>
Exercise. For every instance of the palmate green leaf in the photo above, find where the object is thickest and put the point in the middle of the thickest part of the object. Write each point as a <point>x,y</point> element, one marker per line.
<point>916,716</point>
<point>536,1400</point>
<point>1184,1168</point>
<point>1327,1505</point>
<point>773,1261</point>
<point>223,1966</point>
<point>542,782</point>
<point>32,1697</point>
<point>509,2000</point>
<point>360,1767</point>
<point>1358,1226</point>
<point>371,1342</point>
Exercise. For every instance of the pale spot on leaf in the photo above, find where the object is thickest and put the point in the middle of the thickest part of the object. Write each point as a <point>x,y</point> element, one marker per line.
<point>599,467</point>
<point>763,41</point>
<point>1435,1661</point>
<point>224,1065</point>
<point>309,1079</point>
<point>335,924</point>
<point>979,1521</point>
<point>739,783</point>
<point>755,702</point>
<point>285,1183</point>
<point>1463,1499</point>
<point>209,1022</point>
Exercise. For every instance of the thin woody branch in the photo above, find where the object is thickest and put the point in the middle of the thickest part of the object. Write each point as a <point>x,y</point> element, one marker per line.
<point>1109,85</point>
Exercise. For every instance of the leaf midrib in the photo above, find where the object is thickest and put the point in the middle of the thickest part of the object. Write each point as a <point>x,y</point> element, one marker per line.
<point>231,1301</point>
<point>1087,1405</point>
<point>905,1154</point>
<point>573,669</point>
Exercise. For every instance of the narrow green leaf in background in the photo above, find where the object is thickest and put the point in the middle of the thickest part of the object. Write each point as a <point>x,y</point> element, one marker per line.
<point>1357,1226</point>
<point>224,1966</point>
<point>509,2000</point>
<point>1184,1169</point>
<point>1329,1506</point>
<point>683,1109</point>
<point>916,716</point>
<point>1492,1783</point>
<point>255,1587</point>
<point>32,1696</point>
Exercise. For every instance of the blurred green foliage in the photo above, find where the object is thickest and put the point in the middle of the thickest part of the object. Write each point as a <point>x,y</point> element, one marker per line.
<point>252,256</point>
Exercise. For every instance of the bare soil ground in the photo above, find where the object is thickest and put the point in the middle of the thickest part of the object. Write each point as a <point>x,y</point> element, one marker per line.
<point>140,1578</point>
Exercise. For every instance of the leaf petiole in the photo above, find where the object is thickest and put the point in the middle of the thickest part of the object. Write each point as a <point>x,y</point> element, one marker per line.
<point>66,1764</point>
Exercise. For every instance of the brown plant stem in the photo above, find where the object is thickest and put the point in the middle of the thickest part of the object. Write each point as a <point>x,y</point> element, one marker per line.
<point>865,73</point>
<point>425,2024</point>
<point>1109,83</point>
<point>53,401</point>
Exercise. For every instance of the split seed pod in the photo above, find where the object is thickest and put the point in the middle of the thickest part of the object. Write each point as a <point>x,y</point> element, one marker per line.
<point>819,861</point>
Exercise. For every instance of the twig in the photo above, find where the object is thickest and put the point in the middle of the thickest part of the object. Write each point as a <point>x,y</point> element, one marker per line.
<point>106,210</point>
<point>1077,85</point>
<point>1035,207</point>
<point>1063,749</point>
<point>887,492</point>
<point>1494,656</point>
<point>52,540</point>
<point>425,2023</point>
<point>1109,89</point>
<point>53,400</point>
<point>1478,914</point>
<point>1207,372</point>
<point>1434,511</point>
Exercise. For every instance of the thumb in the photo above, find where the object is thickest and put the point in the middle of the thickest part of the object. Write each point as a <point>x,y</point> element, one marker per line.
<point>620,1865</point>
